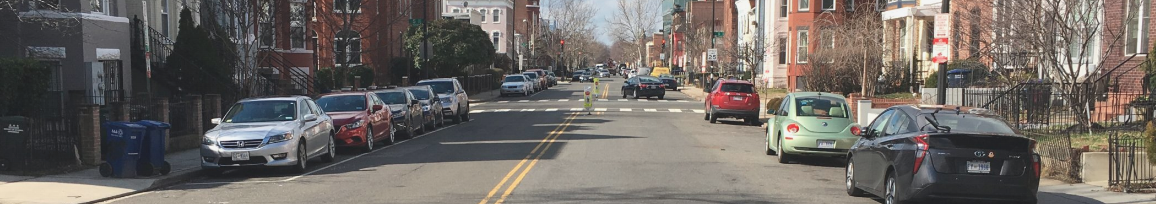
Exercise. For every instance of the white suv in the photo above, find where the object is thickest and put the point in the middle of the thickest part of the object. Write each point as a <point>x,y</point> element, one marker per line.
<point>275,131</point>
<point>455,101</point>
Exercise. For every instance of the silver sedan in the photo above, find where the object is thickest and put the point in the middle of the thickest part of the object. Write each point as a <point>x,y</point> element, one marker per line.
<point>275,131</point>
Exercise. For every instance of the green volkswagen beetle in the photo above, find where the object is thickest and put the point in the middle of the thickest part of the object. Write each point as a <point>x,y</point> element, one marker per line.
<point>811,124</point>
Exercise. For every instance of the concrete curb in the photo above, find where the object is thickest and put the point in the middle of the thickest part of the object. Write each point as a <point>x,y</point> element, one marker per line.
<point>166,181</point>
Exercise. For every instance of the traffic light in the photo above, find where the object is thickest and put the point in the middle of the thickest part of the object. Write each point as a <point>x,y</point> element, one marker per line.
<point>563,42</point>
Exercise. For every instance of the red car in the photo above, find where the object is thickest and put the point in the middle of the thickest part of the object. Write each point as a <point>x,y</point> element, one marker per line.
<point>357,116</point>
<point>732,99</point>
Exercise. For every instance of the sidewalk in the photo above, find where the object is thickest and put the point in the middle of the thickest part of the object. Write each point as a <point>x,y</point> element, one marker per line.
<point>1053,191</point>
<point>485,96</point>
<point>88,186</point>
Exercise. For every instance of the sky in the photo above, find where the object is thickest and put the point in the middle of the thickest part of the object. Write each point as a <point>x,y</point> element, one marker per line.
<point>605,10</point>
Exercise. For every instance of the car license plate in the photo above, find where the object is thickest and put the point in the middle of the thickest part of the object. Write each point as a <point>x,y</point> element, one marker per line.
<point>981,167</point>
<point>828,144</point>
<point>737,98</point>
<point>241,156</point>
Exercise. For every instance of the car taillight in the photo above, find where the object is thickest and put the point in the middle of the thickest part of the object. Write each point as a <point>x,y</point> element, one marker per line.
<point>1036,164</point>
<point>855,130</point>
<point>793,128</point>
<point>662,86</point>
<point>920,150</point>
<point>642,85</point>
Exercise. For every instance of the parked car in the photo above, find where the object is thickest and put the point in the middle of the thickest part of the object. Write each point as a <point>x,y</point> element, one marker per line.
<point>812,124</point>
<point>405,111</point>
<point>430,106</point>
<point>732,99</point>
<point>517,84</point>
<point>586,77</point>
<point>455,101</point>
<point>274,131</point>
<point>603,73</point>
<point>670,81</point>
<point>644,86</point>
<point>553,78</point>
<point>915,154</point>
<point>362,120</point>
<point>544,76</point>
<point>577,76</point>
<point>539,80</point>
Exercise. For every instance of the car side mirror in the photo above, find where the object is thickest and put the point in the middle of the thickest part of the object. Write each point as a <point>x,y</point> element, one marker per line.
<point>771,111</point>
<point>215,121</point>
<point>378,107</point>
<point>868,133</point>
<point>309,117</point>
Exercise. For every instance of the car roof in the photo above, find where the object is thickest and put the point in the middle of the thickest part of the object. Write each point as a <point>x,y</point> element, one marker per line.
<point>518,75</point>
<point>437,80</point>
<point>735,81</point>
<point>362,93</point>
<point>274,98</point>
<point>424,87</point>
<point>801,94</point>
<point>389,90</point>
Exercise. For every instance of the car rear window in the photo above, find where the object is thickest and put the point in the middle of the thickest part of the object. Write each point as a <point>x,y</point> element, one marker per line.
<point>965,123</point>
<point>439,86</point>
<point>392,97</point>
<point>649,80</point>
<point>738,88</point>
<point>515,78</point>
<point>345,103</point>
<point>821,106</point>
<point>420,94</point>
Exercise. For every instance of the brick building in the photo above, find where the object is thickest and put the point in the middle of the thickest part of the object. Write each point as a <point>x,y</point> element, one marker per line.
<point>701,14</point>
<point>354,33</point>
<point>805,20</point>
<point>1135,24</point>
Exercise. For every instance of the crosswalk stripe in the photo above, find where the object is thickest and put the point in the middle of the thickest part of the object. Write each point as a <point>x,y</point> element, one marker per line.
<point>523,101</point>
<point>502,110</point>
<point>503,101</point>
<point>551,109</point>
<point>599,109</point>
<point>563,100</point>
<point>650,110</point>
<point>543,100</point>
<point>699,111</point>
<point>477,111</point>
<point>676,110</point>
<point>603,100</point>
<point>576,109</point>
<point>623,100</point>
<point>625,110</point>
<point>527,110</point>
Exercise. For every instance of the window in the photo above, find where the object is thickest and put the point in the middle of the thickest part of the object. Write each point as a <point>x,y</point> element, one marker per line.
<point>903,41</point>
<point>165,19</point>
<point>483,12</point>
<point>828,5</point>
<point>783,8</point>
<point>827,39</point>
<point>297,25</point>
<point>782,50</point>
<point>899,124</point>
<point>1139,14</point>
<point>881,121</point>
<point>849,5</point>
<point>347,48</point>
<point>821,106</point>
<point>457,11</point>
<point>347,6</point>
<point>46,4</point>
<point>98,6</point>
<point>497,40</point>
<point>267,31</point>
<point>801,54</point>
<point>804,5</point>
<point>497,14</point>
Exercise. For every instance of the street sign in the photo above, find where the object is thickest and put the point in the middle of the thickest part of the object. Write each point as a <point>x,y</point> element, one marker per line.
<point>940,48</point>
<point>712,55</point>
<point>415,21</point>
<point>718,34</point>
<point>587,100</point>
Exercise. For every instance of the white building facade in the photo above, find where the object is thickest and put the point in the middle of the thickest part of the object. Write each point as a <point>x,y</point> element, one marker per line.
<point>497,20</point>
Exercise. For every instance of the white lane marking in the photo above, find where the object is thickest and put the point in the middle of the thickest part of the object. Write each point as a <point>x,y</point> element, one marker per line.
<point>543,100</point>
<point>623,100</point>
<point>551,109</point>
<point>603,100</point>
<point>502,110</point>
<point>676,110</point>
<point>625,110</point>
<point>600,109</point>
<point>698,111</point>
<point>650,110</point>
<point>684,101</point>
<point>523,101</point>
<point>527,110</point>
<point>664,100</point>
<point>503,101</point>
<point>576,109</point>
<point>476,104</point>
<point>477,111</point>
<point>563,100</point>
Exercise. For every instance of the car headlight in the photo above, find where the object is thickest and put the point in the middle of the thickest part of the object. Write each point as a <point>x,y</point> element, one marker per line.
<point>280,138</point>
<point>425,108</point>
<point>207,141</point>
<point>398,114</point>
<point>447,99</point>
<point>355,124</point>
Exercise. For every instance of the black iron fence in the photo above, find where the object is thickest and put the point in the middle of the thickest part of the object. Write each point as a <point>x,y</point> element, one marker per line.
<point>53,139</point>
<point>480,83</point>
<point>1129,164</point>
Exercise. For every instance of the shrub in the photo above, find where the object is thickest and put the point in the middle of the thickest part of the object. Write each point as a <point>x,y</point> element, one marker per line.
<point>1149,140</point>
<point>932,80</point>
<point>23,86</point>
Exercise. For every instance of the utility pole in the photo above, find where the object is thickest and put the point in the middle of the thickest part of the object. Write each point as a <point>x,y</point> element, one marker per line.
<point>713,4</point>
<point>425,37</point>
<point>941,79</point>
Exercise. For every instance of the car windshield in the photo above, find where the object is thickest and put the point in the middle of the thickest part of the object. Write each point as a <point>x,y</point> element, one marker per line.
<point>965,123</point>
<point>665,76</point>
<point>531,75</point>
<point>392,97</point>
<point>261,111</point>
<point>420,94</point>
<point>515,79</point>
<point>649,80</point>
<point>344,103</point>
<point>821,106</point>
<point>737,88</point>
<point>440,86</point>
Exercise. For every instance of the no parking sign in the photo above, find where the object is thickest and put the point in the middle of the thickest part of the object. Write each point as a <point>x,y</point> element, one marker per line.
<point>587,100</point>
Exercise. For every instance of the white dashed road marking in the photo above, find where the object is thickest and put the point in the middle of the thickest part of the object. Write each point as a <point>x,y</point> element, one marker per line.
<point>699,111</point>
<point>650,110</point>
<point>625,110</point>
<point>676,110</point>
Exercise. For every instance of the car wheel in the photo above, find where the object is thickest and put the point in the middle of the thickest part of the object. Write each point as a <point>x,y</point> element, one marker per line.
<point>713,116</point>
<point>635,94</point>
<point>889,196</point>
<point>768,147</point>
<point>466,114</point>
<point>783,157</point>
<point>330,150</point>
<point>368,139</point>
<point>457,119</point>
<point>751,121</point>
<point>302,159</point>
<point>850,181</point>
<point>409,131</point>
<point>661,96</point>
<point>392,136</point>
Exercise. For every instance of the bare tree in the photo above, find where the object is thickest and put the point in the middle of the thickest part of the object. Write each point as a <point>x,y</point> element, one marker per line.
<point>347,26</point>
<point>635,21</point>
<point>573,20</point>
<point>845,50</point>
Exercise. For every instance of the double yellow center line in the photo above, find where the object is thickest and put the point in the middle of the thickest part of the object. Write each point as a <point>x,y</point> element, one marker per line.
<point>536,154</point>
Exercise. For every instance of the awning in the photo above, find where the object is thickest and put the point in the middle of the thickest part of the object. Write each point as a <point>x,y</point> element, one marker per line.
<point>918,11</point>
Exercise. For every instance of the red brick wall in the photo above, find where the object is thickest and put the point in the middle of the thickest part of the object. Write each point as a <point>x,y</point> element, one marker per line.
<point>1129,75</point>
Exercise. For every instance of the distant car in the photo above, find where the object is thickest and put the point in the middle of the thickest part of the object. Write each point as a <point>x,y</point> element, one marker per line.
<point>929,154</point>
<point>577,76</point>
<point>430,106</point>
<point>362,119</point>
<point>670,82</point>
<point>539,83</point>
<point>273,131</point>
<point>811,124</point>
<point>733,99</point>
<point>455,101</point>
<point>603,73</point>
<point>586,77</point>
<point>644,86</point>
<point>406,111</point>
<point>544,76</point>
<point>517,84</point>
<point>553,78</point>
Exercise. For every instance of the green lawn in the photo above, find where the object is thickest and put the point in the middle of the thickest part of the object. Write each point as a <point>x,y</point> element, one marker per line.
<point>897,96</point>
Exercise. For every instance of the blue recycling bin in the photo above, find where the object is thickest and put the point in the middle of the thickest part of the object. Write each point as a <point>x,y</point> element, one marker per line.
<point>124,149</point>
<point>152,157</point>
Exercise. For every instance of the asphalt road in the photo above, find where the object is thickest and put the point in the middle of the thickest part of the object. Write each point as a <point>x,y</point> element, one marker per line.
<point>536,150</point>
